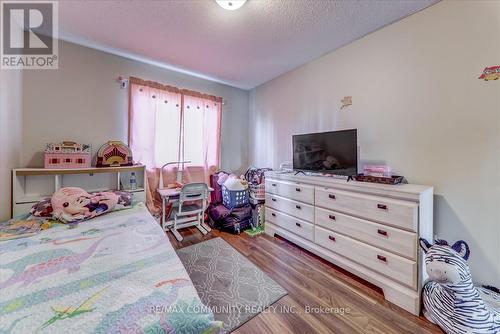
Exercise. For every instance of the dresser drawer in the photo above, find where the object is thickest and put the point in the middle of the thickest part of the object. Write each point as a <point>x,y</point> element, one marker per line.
<point>293,208</point>
<point>386,263</point>
<point>296,191</point>
<point>292,224</point>
<point>382,236</point>
<point>402,214</point>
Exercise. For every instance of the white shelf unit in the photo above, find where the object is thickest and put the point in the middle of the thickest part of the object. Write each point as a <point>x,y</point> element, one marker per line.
<point>30,185</point>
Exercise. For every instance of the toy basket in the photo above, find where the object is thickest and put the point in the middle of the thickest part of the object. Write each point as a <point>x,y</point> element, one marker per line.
<point>234,198</point>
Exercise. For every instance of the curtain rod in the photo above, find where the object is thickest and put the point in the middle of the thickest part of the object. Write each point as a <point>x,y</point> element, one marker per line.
<point>124,82</point>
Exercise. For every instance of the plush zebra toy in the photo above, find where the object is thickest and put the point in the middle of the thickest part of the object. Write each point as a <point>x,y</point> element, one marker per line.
<point>450,298</point>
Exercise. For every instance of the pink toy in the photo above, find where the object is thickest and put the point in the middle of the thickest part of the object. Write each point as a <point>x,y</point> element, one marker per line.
<point>114,154</point>
<point>67,154</point>
<point>222,177</point>
<point>377,170</point>
<point>73,204</point>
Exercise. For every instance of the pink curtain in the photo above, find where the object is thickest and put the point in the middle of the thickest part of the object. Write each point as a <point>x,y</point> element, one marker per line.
<point>201,137</point>
<point>167,124</point>
<point>155,120</point>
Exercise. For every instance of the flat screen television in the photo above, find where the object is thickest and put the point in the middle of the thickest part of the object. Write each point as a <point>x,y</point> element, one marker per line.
<point>334,152</point>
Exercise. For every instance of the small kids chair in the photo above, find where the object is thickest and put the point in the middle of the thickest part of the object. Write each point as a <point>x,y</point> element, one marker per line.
<point>191,213</point>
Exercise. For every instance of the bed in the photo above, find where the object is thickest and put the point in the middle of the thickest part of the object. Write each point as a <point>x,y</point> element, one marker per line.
<point>117,273</point>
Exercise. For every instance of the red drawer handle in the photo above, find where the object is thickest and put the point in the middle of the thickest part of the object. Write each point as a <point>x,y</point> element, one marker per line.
<point>332,217</point>
<point>273,199</point>
<point>382,232</point>
<point>382,206</point>
<point>331,237</point>
<point>381,258</point>
<point>298,207</point>
<point>297,189</point>
<point>298,224</point>
<point>332,196</point>
<point>273,214</point>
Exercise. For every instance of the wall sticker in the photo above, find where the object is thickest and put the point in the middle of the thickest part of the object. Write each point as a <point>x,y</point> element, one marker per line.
<point>490,73</point>
<point>346,101</point>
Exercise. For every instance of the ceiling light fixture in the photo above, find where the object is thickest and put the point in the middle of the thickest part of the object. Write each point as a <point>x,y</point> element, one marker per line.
<point>231,4</point>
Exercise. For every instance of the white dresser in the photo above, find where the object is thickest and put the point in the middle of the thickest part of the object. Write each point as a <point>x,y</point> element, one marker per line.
<point>369,229</point>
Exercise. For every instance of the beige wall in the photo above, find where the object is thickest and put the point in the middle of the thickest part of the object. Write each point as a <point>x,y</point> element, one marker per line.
<point>81,101</point>
<point>10,133</point>
<point>418,106</point>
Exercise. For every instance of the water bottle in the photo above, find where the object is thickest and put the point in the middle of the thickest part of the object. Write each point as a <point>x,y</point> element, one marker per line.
<point>133,181</point>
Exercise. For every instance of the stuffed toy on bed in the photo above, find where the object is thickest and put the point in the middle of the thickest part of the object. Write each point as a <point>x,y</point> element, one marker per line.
<point>450,298</point>
<point>72,204</point>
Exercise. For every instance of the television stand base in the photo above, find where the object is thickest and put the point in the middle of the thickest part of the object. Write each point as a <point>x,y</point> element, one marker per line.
<point>298,172</point>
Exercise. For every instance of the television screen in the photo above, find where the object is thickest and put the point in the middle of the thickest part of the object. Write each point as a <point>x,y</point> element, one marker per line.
<point>333,152</point>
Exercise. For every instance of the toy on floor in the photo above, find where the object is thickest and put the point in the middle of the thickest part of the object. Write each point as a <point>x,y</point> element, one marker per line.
<point>450,298</point>
<point>255,231</point>
<point>256,180</point>
<point>258,220</point>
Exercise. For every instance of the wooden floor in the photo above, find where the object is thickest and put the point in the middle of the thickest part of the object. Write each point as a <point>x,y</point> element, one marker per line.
<point>355,306</point>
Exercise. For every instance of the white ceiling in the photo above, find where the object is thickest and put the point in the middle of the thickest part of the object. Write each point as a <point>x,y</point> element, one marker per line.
<point>242,48</point>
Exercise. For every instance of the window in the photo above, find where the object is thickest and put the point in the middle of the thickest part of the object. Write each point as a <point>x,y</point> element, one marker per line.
<point>193,138</point>
<point>167,124</point>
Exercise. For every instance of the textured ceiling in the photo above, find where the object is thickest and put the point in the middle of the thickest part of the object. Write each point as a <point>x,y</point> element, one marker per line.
<point>242,48</point>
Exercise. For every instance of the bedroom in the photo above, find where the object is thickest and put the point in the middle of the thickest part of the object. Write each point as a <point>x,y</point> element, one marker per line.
<point>407,75</point>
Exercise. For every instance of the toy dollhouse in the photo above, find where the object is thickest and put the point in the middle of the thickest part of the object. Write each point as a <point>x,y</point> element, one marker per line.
<point>67,154</point>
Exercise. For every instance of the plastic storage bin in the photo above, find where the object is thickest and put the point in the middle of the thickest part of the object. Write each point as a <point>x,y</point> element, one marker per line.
<point>234,198</point>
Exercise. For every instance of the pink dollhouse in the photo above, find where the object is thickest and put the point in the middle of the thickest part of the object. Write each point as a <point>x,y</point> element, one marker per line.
<point>67,154</point>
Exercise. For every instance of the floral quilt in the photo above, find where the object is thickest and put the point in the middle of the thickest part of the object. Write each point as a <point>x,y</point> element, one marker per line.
<point>114,274</point>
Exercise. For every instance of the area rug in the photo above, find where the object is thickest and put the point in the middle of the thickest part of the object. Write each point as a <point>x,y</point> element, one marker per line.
<point>228,283</point>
